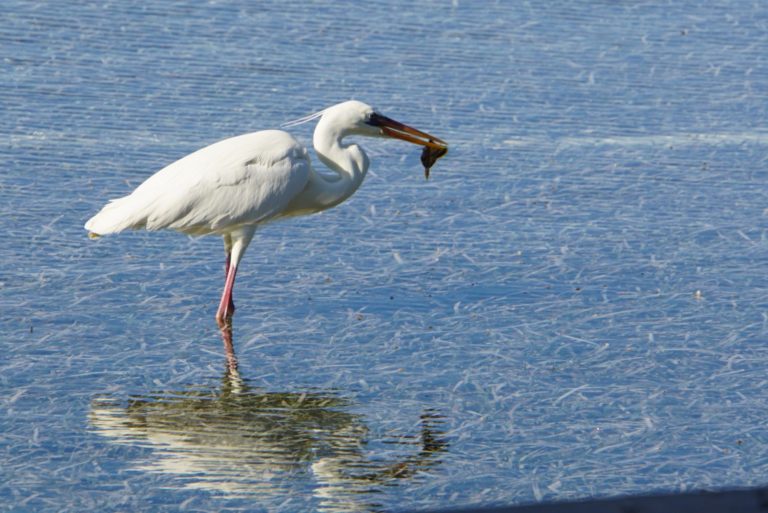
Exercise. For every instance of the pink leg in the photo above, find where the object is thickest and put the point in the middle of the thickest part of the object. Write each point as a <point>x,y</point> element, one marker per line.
<point>226,305</point>
<point>235,244</point>
<point>231,306</point>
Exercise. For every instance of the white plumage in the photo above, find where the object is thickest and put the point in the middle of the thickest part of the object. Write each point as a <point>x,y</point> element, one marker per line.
<point>232,186</point>
<point>255,176</point>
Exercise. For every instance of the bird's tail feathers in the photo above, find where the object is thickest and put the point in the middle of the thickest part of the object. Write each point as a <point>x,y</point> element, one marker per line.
<point>116,216</point>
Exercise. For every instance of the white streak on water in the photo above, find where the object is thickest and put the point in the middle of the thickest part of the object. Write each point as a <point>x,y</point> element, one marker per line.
<point>665,140</point>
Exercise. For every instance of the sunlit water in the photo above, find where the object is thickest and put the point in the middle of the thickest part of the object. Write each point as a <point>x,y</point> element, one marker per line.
<point>574,305</point>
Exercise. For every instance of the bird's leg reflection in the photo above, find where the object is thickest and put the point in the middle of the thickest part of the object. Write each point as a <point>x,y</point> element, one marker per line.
<point>229,347</point>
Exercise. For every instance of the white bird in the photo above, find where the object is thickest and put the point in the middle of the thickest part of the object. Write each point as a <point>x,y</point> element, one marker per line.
<point>234,185</point>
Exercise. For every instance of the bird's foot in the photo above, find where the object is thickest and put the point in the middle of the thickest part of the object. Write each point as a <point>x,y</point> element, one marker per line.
<point>224,319</point>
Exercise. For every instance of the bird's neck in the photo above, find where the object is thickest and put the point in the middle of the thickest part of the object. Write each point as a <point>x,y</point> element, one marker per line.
<point>348,162</point>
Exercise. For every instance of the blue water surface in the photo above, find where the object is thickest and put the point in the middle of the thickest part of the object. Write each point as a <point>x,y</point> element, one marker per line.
<point>574,305</point>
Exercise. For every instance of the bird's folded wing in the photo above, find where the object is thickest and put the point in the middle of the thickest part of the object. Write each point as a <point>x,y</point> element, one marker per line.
<point>242,180</point>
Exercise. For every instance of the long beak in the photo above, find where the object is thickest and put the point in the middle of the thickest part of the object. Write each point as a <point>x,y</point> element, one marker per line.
<point>392,128</point>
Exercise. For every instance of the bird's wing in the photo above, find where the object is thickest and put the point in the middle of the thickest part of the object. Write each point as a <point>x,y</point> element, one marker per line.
<point>242,180</point>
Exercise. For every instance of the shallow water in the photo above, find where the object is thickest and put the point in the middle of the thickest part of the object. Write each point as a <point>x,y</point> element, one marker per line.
<point>574,304</point>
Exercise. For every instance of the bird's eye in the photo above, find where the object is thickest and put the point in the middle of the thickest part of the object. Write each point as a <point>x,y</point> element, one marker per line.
<point>373,119</point>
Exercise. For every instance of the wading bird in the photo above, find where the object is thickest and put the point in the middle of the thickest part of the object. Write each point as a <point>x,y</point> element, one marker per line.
<point>234,185</point>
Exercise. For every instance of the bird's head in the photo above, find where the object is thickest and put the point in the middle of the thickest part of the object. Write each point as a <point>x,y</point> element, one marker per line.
<point>357,118</point>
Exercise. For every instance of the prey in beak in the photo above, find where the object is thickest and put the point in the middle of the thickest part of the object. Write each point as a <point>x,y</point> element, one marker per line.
<point>429,156</point>
<point>434,147</point>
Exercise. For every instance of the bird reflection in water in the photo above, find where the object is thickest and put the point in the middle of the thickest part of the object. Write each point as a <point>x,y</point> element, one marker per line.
<point>242,441</point>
